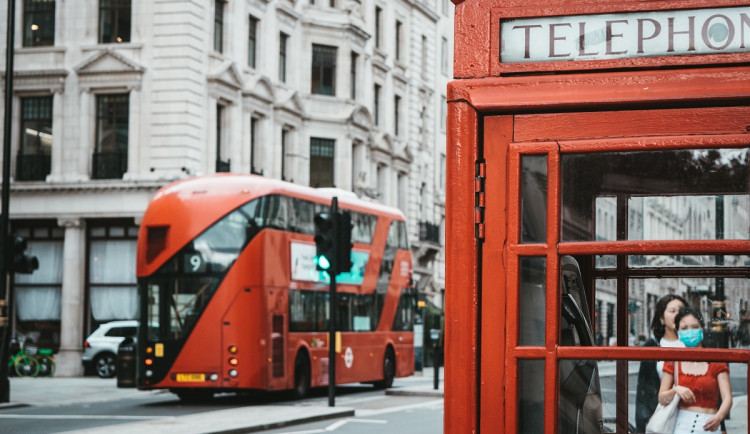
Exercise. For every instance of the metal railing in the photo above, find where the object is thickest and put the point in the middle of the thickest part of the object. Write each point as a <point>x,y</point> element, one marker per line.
<point>33,167</point>
<point>223,166</point>
<point>109,165</point>
<point>429,232</point>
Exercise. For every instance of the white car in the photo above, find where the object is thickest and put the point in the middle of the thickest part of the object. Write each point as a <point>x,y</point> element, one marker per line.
<point>100,348</point>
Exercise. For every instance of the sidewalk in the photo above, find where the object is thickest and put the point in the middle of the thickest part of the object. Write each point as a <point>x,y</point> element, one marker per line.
<point>63,391</point>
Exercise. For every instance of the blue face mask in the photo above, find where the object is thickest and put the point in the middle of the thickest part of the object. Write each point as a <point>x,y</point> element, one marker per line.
<point>691,338</point>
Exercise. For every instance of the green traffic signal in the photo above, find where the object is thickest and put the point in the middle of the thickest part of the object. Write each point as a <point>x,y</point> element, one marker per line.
<point>322,263</point>
<point>324,240</point>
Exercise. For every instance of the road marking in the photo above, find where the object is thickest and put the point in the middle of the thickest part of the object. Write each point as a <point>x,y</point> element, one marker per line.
<point>86,416</point>
<point>336,425</point>
<point>433,403</point>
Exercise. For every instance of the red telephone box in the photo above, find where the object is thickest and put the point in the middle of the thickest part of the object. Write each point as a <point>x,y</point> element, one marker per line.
<point>598,160</point>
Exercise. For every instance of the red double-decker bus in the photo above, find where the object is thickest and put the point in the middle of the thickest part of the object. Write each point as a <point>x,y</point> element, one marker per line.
<point>233,301</point>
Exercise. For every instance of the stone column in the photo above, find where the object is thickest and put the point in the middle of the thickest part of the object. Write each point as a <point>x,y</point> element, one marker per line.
<point>68,360</point>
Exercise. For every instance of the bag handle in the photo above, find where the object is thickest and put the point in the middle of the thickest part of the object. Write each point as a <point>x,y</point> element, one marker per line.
<point>676,370</point>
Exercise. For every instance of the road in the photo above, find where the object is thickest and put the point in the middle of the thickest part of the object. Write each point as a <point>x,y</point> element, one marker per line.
<point>56,407</point>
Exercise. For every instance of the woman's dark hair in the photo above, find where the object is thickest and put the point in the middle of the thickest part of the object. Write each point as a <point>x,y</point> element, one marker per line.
<point>661,306</point>
<point>687,311</point>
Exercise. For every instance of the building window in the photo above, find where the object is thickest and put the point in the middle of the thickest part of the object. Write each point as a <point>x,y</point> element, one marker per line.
<point>222,161</point>
<point>38,23</point>
<point>252,42</point>
<point>424,55</point>
<point>401,182</point>
<point>443,113</point>
<point>38,296</point>
<point>380,177</point>
<point>353,76</point>
<point>114,21</point>
<point>442,172</point>
<point>284,144</point>
<point>321,162</point>
<point>110,160</point>
<point>378,23</point>
<point>396,114</point>
<point>398,40</point>
<point>324,70</point>
<point>283,38</point>
<point>376,104</point>
<point>219,25</point>
<point>444,56</point>
<point>34,154</point>
<point>112,284</point>
<point>253,143</point>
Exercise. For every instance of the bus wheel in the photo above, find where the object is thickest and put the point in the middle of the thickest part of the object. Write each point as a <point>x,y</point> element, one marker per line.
<point>301,375</point>
<point>389,370</point>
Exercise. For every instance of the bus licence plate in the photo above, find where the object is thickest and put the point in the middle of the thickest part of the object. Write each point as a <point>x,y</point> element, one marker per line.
<point>191,378</point>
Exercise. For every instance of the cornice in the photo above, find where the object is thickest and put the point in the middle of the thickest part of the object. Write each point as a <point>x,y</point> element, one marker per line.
<point>429,13</point>
<point>86,187</point>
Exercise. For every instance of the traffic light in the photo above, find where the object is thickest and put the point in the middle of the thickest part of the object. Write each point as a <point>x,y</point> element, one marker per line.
<point>324,241</point>
<point>22,263</point>
<point>344,242</point>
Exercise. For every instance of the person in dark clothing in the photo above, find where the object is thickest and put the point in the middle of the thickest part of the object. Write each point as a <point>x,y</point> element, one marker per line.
<point>649,373</point>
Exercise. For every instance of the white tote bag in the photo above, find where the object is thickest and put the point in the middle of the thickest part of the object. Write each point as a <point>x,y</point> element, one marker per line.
<point>665,416</point>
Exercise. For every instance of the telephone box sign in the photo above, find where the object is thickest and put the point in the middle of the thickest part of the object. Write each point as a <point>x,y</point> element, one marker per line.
<point>615,36</point>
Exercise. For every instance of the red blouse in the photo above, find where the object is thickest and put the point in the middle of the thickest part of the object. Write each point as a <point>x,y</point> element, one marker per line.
<point>705,387</point>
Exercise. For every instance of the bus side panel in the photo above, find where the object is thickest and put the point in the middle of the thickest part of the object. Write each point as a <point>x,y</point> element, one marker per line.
<point>404,347</point>
<point>278,360</point>
<point>243,328</point>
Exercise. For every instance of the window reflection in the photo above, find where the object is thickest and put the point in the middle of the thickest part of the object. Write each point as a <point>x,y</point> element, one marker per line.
<point>532,301</point>
<point>662,195</point>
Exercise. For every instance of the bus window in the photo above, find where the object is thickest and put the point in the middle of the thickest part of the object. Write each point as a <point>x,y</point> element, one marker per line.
<point>274,211</point>
<point>364,227</point>
<point>397,237</point>
<point>407,309</point>
<point>301,218</point>
<point>308,311</point>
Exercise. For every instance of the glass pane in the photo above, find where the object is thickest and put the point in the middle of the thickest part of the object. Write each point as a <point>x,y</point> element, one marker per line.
<point>692,261</point>
<point>605,320</point>
<point>580,404</point>
<point>533,198</point>
<point>590,392</point>
<point>606,261</point>
<point>713,217</point>
<point>671,194</point>
<point>532,301</point>
<point>606,219</point>
<point>575,324</point>
<point>723,302</point>
<point>530,396</point>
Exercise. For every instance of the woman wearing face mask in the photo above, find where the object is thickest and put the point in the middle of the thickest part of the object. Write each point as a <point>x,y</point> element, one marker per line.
<point>649,372</point>
<point>699,383</point>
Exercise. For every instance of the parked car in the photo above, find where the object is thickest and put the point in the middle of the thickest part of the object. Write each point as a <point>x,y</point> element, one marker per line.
<point>100,348</point>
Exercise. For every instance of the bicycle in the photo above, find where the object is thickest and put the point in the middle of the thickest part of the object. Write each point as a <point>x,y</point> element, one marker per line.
<point>30,361</point>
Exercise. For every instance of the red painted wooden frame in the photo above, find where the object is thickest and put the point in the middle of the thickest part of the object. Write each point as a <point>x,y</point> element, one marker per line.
<point>495,119</point>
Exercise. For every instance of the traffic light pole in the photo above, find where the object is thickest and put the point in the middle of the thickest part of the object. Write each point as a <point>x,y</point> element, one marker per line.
<point>5,317</point>
<point>332,272</point>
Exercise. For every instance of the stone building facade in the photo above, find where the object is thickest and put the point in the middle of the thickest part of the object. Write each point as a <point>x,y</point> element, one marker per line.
<point>113,99</point>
